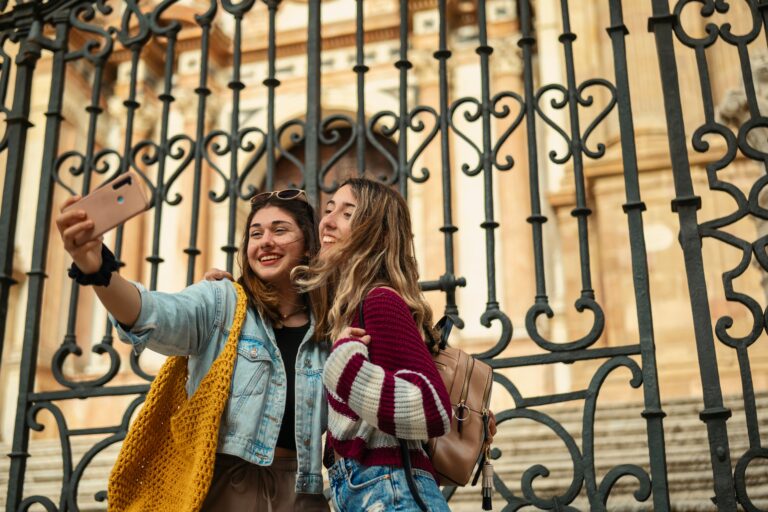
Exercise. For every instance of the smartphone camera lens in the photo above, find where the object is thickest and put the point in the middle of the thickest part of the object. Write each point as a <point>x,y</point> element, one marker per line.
<point>120,199</point>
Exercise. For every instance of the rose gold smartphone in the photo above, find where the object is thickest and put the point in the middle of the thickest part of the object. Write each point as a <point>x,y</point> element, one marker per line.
<point>113,203</point>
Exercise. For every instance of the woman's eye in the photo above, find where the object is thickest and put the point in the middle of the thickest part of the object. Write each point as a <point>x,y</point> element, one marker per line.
<point>327,211</point>
<point>256,234</point>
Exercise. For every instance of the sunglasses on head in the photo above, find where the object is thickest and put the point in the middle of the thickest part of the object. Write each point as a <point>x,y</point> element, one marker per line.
<point>286,195</point>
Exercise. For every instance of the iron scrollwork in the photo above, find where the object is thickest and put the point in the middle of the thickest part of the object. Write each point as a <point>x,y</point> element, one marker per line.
<point>227,157</point>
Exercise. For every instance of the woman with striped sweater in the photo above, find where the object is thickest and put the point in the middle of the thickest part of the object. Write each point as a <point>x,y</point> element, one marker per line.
<point>381,382</point>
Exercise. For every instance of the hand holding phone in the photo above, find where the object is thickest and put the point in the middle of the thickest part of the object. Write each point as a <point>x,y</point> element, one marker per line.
<point>84,220</point>
<point>113,203</point>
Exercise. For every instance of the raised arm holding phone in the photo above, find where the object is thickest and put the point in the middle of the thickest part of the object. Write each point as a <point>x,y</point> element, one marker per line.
<point>119,296</point>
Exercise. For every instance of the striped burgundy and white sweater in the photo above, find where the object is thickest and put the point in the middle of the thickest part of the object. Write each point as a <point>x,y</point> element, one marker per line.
<point>387,390</point>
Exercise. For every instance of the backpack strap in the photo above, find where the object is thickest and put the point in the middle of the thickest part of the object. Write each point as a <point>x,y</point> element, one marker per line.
<point>406,457</point>
<point>444,325</point>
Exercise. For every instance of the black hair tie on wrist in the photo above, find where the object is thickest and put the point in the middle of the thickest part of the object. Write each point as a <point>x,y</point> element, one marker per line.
<point>102,276</point>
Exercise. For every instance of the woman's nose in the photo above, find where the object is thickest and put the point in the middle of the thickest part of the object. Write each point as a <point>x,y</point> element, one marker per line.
<point>267,240</point>
<point>328,222</point>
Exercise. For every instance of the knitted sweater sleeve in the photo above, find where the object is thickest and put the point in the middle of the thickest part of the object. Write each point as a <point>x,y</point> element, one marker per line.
<point>400,392</point>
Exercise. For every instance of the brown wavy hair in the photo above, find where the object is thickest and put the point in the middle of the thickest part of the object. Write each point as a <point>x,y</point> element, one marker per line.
<point>378,252</point>
<point>261,294</point>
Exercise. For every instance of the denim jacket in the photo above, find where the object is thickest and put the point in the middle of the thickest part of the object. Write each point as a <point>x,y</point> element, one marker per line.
<point>196,322</point>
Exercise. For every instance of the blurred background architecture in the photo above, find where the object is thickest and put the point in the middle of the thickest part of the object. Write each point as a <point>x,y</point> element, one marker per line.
<point>586,180</point>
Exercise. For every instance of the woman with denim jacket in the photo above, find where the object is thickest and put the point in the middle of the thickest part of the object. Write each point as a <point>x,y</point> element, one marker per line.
<point>382,383</point>
<point>269,452</point>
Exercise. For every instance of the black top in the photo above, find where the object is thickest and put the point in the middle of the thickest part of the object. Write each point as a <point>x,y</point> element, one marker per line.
<point>288,341</point>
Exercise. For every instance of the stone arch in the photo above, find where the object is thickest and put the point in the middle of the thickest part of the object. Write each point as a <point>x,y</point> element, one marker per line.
<point>377,165</point>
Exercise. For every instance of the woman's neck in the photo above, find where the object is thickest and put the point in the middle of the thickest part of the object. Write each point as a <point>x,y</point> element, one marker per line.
<point>292,308</point>
<point>289,300</point>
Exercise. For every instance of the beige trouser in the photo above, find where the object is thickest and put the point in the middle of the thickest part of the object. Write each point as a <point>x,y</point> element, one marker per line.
<point>239,486</point>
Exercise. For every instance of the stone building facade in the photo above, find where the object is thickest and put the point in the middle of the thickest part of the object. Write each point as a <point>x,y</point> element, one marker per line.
<point>678,369</point>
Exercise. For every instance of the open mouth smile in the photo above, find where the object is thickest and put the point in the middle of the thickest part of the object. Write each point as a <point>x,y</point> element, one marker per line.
<point>269,259</point>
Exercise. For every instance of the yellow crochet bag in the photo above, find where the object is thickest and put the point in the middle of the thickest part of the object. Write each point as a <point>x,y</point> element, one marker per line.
<point>167,459</point>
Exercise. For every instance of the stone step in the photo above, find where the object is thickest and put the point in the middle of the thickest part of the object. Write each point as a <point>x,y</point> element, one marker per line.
<point>471,503</point>
<point>559,481</point>
<point>683,409</point>
<point>619,433</point>
<point>47,459</point>
<point>543,449</point>
<point>85,497</point>
<point>630,424</point>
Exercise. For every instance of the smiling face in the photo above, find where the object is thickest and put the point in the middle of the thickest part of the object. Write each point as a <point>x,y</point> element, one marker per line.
<point>275,245</point>
<point>336,224</point>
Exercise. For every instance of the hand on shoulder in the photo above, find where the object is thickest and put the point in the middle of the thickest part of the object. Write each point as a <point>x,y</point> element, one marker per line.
<point>354,333</point>
<point>215,274</point>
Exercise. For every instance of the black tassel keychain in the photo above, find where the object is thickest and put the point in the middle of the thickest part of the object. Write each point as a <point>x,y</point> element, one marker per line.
<point>487,481</point>
<point>487,468</point>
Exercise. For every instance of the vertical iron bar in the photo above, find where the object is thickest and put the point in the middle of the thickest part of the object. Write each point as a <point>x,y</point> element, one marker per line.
<point>634,207</point>
<point>581,212</point>
<point>704,82</point>
<point>18,125</point>
<point>748,80</point>
<point>403,65</point>
<point>202,91</point>
<point>360,69</point>
<point>536,219</point>
<point>166,98</point>
<point>314,109</point>
<point>131,106</point>
<point>94,111</point>
<point>750,408</point>
<point>5,69</point>
<point>7,217</point>
<point>489,225</point>
<point>442,55</point>
<point>686,204</point>
<point>236,85</point>
<point>748,389</point>
<point>271,83</point>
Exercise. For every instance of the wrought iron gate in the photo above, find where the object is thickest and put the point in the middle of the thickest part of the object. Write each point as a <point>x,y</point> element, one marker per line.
<point>84,35</point>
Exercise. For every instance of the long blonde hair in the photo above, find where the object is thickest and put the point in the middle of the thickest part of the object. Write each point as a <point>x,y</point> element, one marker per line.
<point>378,252</point>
